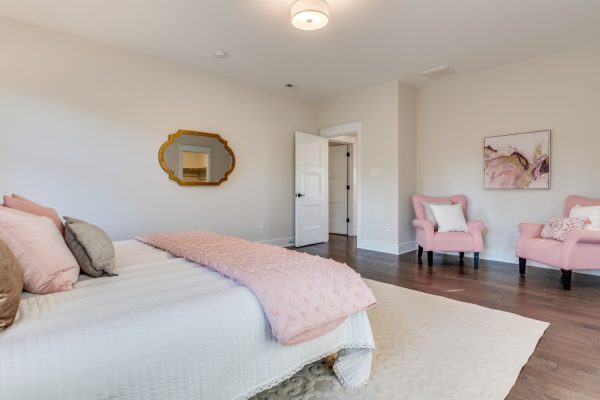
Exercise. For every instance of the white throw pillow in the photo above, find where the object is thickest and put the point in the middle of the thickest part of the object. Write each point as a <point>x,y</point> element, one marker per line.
<point>450,218</point>
<point>591,212</point>
<point>429,214</point>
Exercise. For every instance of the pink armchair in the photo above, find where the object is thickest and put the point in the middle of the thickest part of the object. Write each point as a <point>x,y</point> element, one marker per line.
<point>430,240</point>
<point>581,249</point>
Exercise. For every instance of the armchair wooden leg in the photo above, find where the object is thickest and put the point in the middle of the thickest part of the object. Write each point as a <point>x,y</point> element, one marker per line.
<point>430,258</point>
<point>522,265</point>
<point>566,279</point>
<point>420,252</point>
<point>476,260</point>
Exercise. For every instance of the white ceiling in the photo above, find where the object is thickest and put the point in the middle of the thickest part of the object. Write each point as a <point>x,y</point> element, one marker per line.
<point>366,42</point>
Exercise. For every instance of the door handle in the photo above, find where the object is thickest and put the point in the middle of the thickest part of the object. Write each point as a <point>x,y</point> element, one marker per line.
<point>299,195</point>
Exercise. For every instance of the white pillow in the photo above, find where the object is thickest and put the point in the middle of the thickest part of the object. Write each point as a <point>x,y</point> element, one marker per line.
<point>591,212</point>
<point>450,218</point>
<point>429,214</point>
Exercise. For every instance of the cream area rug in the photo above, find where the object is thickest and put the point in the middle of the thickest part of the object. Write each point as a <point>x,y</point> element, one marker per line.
<point>428,347</point>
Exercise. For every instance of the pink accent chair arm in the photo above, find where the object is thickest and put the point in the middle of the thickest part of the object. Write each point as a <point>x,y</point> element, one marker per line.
<point>530,231</point>
<point>476,227</point>
<point>427,227</point>
<point>575,237</point>
<point>589,237</point>
<point>424,224</point>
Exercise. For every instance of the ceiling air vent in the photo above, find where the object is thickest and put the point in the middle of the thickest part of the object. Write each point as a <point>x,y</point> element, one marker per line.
<point>438,73</point>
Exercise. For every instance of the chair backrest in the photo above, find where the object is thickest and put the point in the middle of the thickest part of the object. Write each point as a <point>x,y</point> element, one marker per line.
<point>418,198</point>
<point>573,200</point>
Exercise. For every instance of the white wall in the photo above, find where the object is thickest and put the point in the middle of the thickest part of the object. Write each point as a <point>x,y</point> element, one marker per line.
<point>81,124</point>
<point>407,164</point>
<point>387,147</point>
<point>560,92</point>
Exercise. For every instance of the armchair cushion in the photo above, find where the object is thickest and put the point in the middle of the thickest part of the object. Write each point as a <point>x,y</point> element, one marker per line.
<point>546,251</point>
<point>456,241</point>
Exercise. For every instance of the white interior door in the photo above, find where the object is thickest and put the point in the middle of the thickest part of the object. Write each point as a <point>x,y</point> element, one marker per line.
<point>338,189</point>
<point>312,204</point>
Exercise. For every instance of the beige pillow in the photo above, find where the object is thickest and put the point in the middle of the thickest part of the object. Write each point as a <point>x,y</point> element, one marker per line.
<point>11,286</point>
<point>92,248</point>
<point>429,213</point>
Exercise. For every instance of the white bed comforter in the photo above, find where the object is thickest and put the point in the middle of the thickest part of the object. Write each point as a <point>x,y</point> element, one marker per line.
<point>165,328</point>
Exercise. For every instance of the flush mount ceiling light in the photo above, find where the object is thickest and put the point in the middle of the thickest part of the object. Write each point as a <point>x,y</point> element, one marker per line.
<point>219,55</point>
<point>310,15</point>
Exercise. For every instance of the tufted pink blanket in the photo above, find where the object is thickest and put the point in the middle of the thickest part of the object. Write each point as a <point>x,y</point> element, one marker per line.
<point>303,296</point>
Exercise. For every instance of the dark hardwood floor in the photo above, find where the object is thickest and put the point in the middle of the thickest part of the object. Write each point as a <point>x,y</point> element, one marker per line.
<point>566,362</point>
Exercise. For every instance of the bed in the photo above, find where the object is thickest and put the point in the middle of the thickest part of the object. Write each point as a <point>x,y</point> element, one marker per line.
<point>165,328</point>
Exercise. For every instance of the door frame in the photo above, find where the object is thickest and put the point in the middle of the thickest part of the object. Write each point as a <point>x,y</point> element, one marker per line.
<point>192,148</point>
<point>346,129</point>
<point>350,219</point>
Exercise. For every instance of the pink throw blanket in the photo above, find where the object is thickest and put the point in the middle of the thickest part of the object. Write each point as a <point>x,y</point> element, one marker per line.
<point>303,296</point>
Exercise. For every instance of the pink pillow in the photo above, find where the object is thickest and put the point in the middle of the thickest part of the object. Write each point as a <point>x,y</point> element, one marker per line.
<point>21,203</point>
<point>47,263</point>
<point>558,228</point>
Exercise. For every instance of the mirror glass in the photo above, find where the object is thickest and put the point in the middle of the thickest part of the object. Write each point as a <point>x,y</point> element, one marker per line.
<point>196,158</point>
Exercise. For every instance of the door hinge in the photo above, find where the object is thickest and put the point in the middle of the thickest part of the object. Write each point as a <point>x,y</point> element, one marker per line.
<point>348,187</point>
<point>347,219</point>
<point>347,154</point>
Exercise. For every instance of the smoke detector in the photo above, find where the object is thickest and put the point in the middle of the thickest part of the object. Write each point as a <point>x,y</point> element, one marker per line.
<point>438,72</point>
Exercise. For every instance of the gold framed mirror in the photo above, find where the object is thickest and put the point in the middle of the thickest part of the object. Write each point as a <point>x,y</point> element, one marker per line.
<point>196,158</point>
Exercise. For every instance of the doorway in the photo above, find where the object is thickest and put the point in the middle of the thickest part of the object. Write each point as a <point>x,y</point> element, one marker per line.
<point>342,187</point>
<point>194,163</point>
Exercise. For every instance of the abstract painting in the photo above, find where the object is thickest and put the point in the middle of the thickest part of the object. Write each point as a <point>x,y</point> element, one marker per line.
<point>517,161</point>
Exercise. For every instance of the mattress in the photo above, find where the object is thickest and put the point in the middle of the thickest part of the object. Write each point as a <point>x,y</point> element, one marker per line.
<point>165,328</point>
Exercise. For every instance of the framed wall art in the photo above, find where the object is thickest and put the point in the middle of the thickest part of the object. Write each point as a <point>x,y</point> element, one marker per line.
<point>517,161</point>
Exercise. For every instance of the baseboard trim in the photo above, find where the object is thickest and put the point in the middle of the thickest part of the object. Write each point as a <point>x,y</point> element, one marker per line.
<point>407,247</point>
<point>281,242</point>
<point>375,245</point>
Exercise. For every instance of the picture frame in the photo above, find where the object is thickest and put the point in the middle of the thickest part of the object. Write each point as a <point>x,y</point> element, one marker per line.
<point>517,161</point>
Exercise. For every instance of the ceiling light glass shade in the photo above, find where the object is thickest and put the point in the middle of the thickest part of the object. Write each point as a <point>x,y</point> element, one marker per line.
<point>310,15</point>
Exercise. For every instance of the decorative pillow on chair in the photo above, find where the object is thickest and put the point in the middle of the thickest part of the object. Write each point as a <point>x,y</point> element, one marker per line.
<point>11,286</point>
<point>429,214</point>
<point>591,212</point>
<point>47,264</point>
<point>92,248</point>
<point>22,204</point>
<point>450,218</point>
<point>558,228</point>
